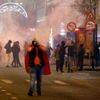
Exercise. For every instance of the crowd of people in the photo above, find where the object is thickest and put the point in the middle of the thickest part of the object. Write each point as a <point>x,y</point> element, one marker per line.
<point>73,57</point>
<point>65,55</point>
<point>15,50</point>
<point>39,56</point>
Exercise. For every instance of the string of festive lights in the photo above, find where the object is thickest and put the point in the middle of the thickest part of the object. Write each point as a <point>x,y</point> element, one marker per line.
<point>13,7</point>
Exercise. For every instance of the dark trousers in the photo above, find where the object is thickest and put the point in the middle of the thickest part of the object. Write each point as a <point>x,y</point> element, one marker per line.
<point>61,64</point>
<point>80,63</point>
<point>57,65</point>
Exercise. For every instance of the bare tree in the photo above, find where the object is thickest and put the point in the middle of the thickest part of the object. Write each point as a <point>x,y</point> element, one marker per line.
<point>84,6</point>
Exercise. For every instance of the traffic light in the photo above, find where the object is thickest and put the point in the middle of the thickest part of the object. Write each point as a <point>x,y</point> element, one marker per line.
<point>76,29</point>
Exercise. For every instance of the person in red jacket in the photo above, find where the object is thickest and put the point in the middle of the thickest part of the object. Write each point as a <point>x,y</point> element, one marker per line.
<point>36,64</point>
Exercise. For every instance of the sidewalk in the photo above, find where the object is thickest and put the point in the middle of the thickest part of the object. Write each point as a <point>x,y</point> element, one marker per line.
<point>87,73</point>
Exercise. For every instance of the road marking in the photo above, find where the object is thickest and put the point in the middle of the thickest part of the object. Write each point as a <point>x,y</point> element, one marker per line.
<point>55,81</point>
<point>7,81</point>
<point>14,98</point>
<point>28,81</point>
<point>60,82</point>
<point>8,93</point>
<point>3,90</point>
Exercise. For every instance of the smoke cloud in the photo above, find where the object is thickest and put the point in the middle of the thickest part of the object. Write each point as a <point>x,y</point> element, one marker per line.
<point>15,27</point>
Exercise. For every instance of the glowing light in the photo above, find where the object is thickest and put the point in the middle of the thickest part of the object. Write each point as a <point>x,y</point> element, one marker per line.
<point>62,30</point>
<point>51,39</point>
<point>98,35</point>
<point>21,3</point>
<point>41,19</point>
<point>76,29</point>
<point>11,6</point>
<point>32,29</point>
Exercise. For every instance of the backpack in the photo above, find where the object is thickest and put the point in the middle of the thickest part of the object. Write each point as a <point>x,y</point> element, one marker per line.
<point>37,59</point>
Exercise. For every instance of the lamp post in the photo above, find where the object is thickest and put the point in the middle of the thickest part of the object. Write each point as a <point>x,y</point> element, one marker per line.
<point>93,7</point>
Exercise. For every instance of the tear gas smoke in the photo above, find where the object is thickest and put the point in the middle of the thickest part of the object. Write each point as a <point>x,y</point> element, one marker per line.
<point>15,27</point>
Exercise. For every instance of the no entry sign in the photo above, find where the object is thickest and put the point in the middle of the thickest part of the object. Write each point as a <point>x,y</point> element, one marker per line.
<point>71,26</point>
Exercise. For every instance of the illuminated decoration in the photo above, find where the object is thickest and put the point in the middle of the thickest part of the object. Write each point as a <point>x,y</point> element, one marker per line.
<point>51,39</point>
<point>13,7</point>
<point>62,30</point>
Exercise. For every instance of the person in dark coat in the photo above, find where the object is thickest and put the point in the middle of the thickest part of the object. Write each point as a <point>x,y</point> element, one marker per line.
<point>56,53</point>
<point>18,51</point>
<point>15,51</point>
<point>14,48</point>
<point>62,55</point>
<point>71,55</point>
<point>0,52</point>
<point>36,64</point>
<point>81,53</point>
<point>97,54</point>
<point>8,52</point>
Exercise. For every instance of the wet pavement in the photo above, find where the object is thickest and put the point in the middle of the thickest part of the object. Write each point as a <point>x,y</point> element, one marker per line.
<point>84,85</point>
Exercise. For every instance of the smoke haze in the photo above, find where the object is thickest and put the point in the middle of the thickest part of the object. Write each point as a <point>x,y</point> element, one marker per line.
<point>16,27</point>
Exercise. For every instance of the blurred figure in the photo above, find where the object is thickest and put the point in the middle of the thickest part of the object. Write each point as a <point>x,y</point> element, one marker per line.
<point>25,48</point>
<point>48,49</point>
<point>17,54</point>
<point>8,52</point>
<point>71,55</point>
<point>14,48</point>
<point>56,54</point>
<point>97,54</point>
<point>0,52</point>
<point>36,64</point>
<point>81,53</point>
<point>16,51</point>
<point>62,55</point>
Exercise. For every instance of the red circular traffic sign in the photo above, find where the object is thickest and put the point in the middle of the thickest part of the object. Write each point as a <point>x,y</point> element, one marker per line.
<point>71,26</point>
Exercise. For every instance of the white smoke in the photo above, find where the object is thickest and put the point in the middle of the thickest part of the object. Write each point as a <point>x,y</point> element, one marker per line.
<point>62,12</point>
<point>15,27</point>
